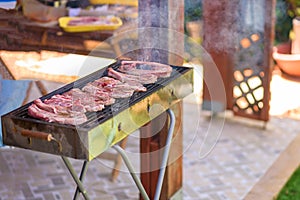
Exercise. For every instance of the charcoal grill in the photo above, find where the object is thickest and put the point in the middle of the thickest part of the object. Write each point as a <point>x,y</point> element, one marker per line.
<point>103,129</point>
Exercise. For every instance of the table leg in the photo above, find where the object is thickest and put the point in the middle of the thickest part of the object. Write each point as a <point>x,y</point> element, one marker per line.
<point>77,180</point>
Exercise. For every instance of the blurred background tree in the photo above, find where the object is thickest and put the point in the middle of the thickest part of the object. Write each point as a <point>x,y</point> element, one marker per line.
<point>283,21</point>
<point>192,10</point>
<point>192,27</point>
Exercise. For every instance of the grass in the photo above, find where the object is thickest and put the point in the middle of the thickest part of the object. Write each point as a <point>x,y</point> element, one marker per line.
<point>291,190</point>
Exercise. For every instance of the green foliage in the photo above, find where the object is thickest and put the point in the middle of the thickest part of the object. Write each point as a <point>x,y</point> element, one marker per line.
<point>193,14</point>
<point>291,190</point>
<point>192,10</point>
<point>283,21</point>
<point>293,8</point>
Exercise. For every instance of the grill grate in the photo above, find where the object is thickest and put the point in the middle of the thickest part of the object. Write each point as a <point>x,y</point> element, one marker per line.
<point>89,139</point>
<point>96,118</point>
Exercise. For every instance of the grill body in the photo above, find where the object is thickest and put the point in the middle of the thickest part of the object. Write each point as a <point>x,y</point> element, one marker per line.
<point>104,128</point>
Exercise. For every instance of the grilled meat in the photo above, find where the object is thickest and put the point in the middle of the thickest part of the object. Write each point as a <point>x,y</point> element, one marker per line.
<point>71,106</point>
<point>113,88</point>
<point>143,79</point>
<point>78,97</point>
<point>84,21</point>
<point>142,68</point>
<point>60,106</point>
<point>73,119</point>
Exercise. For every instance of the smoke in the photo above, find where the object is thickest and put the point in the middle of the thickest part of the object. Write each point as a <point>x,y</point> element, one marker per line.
<point>160,44</point>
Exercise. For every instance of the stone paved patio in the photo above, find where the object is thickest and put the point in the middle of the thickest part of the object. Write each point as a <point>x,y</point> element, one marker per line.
<point>241,156</point>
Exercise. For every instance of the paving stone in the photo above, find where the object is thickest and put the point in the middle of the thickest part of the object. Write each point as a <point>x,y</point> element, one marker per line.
<point>57,181</point>
<point>4,168</point>
<point>50,196</point>
<point>189,191</point>
<point>215,196</point>
<point>26,191</point>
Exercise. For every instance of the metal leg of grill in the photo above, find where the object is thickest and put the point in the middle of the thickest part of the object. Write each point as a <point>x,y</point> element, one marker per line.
<point>82,175</point>
<point>78,181</point>
<point>132,172</point>
<point>162,167</point>
<point>165,156</point>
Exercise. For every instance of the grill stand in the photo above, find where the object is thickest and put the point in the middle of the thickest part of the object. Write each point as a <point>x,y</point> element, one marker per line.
<point>80,188</point>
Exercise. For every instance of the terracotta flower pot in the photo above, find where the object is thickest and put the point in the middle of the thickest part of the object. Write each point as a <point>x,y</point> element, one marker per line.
<point>287,62</point>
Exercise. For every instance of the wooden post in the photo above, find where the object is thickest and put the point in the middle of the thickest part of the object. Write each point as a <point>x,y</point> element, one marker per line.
<point>218,41</point>
<point>169,15</point>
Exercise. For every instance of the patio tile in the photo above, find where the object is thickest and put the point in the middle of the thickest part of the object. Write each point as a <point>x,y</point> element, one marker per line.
<point>227,173</point>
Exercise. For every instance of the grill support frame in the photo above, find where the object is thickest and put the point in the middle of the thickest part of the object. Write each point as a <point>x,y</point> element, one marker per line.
<point>80,188</point>
<point>68,142</point>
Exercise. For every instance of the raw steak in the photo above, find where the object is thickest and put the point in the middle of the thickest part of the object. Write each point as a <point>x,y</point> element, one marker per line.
<point>141,68</point>
<point>36,112</point>
<point>143,79</point>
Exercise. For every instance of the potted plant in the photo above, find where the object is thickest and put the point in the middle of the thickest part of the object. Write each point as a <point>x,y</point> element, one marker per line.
<point>287,54</point>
